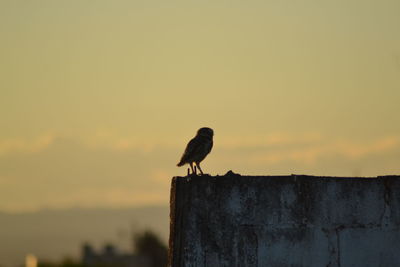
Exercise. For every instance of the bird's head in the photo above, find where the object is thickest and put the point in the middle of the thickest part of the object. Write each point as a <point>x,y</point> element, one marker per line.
<point>205,131</point>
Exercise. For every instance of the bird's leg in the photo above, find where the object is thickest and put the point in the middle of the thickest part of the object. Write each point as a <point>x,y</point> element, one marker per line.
<point>198,165</point>
<point>191,166</point>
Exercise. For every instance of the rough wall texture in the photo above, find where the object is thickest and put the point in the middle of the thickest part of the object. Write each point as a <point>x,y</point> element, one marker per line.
<point>241,221</point>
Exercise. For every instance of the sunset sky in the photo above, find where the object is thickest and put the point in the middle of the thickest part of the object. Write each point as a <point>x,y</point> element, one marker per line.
<point>99,98</point>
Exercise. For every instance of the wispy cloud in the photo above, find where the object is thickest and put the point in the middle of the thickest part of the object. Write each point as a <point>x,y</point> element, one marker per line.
<point>91,198</point>
<point>114,197</point>
<point>56,171</point>
<point>108,139</point>
<point>345,148</point>
<point>273,139</point>
<point>272,148</point>
<point>23,145</point>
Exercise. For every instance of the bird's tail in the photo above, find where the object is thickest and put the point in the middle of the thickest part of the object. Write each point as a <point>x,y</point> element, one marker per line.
<point>181,163</point>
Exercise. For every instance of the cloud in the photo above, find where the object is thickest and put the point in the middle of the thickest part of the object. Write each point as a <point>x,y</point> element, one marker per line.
<point>61,172</point>
<point>115,141</point>
<point>112,140</point>
<point>21,145</point>
<point>354,150</point>
<point>90,198</point>
<point>344,148</point>
<point>160,175</point>
<point>114,197</point>
<point>273,139</point>
<point>54,171</point>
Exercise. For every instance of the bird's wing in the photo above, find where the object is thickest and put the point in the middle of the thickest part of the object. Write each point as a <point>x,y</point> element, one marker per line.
<point>190,150</point>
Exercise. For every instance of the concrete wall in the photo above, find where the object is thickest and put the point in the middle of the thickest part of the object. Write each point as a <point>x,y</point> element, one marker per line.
<point>241,221</point>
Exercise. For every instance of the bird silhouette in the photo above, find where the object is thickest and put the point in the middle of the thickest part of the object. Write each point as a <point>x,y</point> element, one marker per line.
<point>197,149</point>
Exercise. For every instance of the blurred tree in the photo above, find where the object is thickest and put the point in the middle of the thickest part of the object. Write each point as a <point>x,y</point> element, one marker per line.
<point>67,262</point>
<point>149,244</point>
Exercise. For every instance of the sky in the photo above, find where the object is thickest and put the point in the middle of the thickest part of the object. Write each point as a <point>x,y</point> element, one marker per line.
<point>99,98</point>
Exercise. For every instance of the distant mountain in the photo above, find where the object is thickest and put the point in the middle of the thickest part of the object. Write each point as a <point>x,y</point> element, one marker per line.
<point>55,234</point>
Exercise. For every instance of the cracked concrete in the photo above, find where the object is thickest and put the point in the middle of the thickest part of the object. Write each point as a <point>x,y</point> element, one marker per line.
<point>296,220</point>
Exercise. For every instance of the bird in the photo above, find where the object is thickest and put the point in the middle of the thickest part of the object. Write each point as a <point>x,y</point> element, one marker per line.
<point>197,149</point>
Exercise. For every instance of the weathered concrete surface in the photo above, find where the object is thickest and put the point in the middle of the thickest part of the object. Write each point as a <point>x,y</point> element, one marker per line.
<point>239,221</point>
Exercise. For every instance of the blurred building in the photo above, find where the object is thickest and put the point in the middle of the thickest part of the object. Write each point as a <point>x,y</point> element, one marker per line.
<point>110,256</point>
<point>31,261</point>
